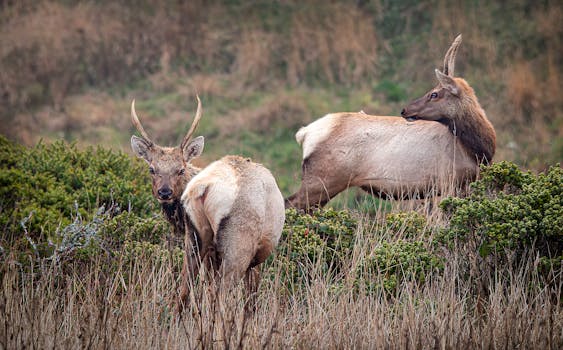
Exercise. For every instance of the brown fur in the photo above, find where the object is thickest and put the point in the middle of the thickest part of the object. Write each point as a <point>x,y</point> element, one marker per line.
<point>454,103</point>
<point>385,156</point>
<point>462,114</point>
<point>394,157</point>
<point>230,214</point>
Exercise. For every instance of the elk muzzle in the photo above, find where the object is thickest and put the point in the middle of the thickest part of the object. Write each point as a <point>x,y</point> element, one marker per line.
<point>408,116</point>
<point>164,193</point>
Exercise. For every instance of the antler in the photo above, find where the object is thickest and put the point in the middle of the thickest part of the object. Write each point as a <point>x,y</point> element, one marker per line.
<point>138,125</point>
<point>194,124</point>
<point>449,59</point>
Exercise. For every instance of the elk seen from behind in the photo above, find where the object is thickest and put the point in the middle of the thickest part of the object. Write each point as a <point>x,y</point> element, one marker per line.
<point>230,213</point>
<point>407,158</point>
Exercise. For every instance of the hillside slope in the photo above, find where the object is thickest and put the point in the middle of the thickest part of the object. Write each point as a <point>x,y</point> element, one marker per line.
<point>71,69</point>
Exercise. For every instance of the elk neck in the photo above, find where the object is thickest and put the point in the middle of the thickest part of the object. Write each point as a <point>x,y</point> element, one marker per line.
<point>475,133</point>
<point>175,213</point>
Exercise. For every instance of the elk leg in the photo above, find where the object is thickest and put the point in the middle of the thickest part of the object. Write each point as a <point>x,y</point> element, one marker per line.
<point>251,283</point>
<point>198,247</point>
<point>189,270</point>
<point>317,186</point>
<point>313,194</point>
<point>252,275</point>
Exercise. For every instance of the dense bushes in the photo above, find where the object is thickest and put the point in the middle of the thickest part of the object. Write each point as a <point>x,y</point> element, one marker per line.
<point>52,192</point>
<point>323,239</point>
<point>510,211</point>
<point>401,261</point>
<point>69,205</point>
<point>322,244</point>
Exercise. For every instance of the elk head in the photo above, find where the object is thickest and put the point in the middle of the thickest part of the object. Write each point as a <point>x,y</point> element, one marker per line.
<point>454,104</point>
<point>169,167</point>
<point>443,102</point>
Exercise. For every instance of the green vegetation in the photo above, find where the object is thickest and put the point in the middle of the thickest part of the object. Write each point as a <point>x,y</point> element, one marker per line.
<point>58,200</point>
<point>56,196</point>
<point>72,215</point>
<point>510,211</point>
<point>324,239</point>
<point>86,257</point>
<point>401,261</point>
<point>278,66</point>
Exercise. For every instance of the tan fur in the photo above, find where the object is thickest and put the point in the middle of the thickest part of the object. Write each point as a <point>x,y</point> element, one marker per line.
<point>318,131</point>
<point>231,213</point>
<point>238,210</point>
<point>393,157</point>
<point>386,156</point>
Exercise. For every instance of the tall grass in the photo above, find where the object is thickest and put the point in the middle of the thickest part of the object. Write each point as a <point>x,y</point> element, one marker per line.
<point>130,306</point>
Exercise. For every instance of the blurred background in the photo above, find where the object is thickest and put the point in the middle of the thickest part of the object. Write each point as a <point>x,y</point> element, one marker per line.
<point>69,70</point>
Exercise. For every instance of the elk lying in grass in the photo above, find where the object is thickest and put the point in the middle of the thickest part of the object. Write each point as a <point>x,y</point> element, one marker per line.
<point>397,157</point>
<point>231,213</point>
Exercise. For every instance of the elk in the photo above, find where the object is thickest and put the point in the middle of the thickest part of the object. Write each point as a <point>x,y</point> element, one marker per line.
<point>231,213</point>
<point>453,103</point>
<point>441,140</point>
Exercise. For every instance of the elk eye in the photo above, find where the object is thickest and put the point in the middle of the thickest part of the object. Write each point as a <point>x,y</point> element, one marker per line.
<point>151,170</point>
<point>182,171</point>
<point>433,95</point>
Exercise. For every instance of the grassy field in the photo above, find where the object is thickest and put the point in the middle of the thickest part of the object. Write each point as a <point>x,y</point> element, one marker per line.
<point>466,305</point>
<point>85,261</point>
<point>484,275</point>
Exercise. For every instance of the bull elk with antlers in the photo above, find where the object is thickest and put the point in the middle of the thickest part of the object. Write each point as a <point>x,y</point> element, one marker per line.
<point>441,140</point>
<point>231,213</point>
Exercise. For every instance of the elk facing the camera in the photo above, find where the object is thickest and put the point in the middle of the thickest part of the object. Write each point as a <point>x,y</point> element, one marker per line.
<point>396,157</point>
<point>170,169</point>
<point>230,213</point>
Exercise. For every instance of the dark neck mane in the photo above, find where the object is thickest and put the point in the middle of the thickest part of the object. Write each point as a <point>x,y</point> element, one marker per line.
<point>181,224</point>
<point>475,133</point>
<point>176,216</point>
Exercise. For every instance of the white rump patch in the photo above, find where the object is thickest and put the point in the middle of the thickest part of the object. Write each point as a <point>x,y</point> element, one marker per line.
<point>311,135</point>
<point>218,186</point>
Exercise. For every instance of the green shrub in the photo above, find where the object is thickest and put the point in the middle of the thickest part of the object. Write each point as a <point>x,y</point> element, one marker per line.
<point>59,200</point>
<point>510,210</point>
<point>397,262</point>
<point>50,181</point>
<point>411,224</point>
<point>325,237</point>
<point>128,226</point>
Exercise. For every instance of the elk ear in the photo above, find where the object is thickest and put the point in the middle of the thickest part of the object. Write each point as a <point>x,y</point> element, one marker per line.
<point>447,83</point>
<point>193,149</point>
<point>141,148</point>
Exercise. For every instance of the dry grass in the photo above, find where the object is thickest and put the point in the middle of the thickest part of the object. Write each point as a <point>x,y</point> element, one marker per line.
<point>56,49</point>
<point>52,49</point>
<point>338,44</point>
<point>283,110</point>
<point>128,307</point>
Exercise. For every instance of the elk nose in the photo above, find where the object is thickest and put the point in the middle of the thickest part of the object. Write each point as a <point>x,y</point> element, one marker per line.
<point>403,112</point>
<point>165,193</point>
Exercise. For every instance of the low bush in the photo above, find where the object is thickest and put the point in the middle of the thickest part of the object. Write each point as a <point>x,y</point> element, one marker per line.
<point>59,196</point>
<point>323,242</point>
<point>411,224</point>
<point>398,262</point>
<point>322,239</point>
<point>510,212</point>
